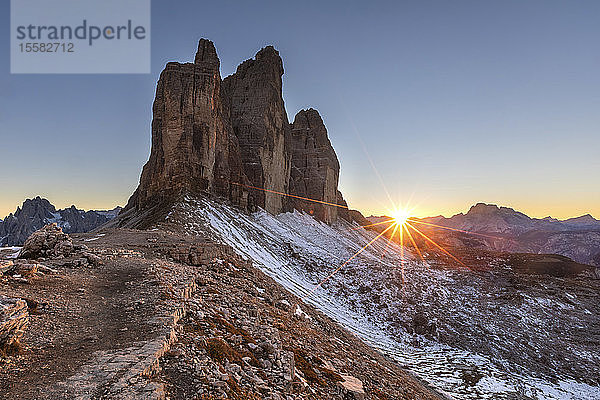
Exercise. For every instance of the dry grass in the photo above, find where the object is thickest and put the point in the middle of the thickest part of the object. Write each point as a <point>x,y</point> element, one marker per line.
<point>221,322</point>
<point>306,368</point>
<point>219,350</point>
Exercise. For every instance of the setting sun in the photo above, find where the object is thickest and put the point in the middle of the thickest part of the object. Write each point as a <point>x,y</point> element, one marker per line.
<point>400,216</point>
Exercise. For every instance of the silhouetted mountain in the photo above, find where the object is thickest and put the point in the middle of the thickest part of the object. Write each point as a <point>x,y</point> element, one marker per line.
<point>231,138</point>
<point>502,228</point>
<point>491,218</point>
<point>37,212</point>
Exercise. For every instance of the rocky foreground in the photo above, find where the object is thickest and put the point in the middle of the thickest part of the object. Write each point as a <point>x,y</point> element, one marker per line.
<point>152,314</point>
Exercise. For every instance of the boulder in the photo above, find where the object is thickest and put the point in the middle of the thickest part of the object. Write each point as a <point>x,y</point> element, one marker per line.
<point>50,241</point>
<point>353,386</point>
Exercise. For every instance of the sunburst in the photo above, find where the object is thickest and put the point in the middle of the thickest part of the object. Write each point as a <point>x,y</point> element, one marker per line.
<point>400,225</point>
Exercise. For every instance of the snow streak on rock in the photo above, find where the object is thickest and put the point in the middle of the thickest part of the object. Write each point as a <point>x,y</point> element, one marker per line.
<point>492,335</point>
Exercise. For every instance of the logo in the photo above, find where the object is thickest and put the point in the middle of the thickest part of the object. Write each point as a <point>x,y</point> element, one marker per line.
<point>80,36</point>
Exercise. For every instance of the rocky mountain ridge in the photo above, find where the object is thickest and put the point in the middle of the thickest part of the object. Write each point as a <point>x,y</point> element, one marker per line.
<point>231,138</point>
<point>38,212</point>
<point>429,313</point>
<point>161,315</point>
<point>490,227</point>
<point>491,218</point>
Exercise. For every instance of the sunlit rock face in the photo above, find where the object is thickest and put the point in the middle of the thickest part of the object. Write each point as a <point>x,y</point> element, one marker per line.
<point>315,167</point>
<point>232,138</point>
<point>193,148</point>
<point>261,125</point>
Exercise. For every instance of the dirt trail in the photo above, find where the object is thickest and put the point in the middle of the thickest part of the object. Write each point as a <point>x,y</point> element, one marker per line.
<point>117,314</point>
<point>100,331</point>
<point>80,311</point>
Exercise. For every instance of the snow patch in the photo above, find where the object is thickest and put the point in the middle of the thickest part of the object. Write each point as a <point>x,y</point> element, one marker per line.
<point>298,251</point>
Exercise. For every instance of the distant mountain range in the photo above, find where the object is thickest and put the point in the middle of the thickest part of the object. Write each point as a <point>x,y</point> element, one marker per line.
<point>37,212</point>
<point>503,228</point>
<point>490,218</point>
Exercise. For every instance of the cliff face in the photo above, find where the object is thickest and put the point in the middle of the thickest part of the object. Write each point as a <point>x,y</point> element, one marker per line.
<point>226,136</point>
<point>259,120</point>
<point>315,166</point>
<point>193,148</point>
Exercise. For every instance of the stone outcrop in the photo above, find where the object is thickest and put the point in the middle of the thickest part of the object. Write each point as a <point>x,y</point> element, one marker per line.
<point>50,241</point>
<point>354,387</point>
<point>38,212</point>
<point>193,149</point>
<point>14,318</point>
<point>259,120</point>
<point>232,138</point>
<point>315,167</point>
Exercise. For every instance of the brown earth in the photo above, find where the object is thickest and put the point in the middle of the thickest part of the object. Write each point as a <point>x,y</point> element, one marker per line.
<point>104,331</point>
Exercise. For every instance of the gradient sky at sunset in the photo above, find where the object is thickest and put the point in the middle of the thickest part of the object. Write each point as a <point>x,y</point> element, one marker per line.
<point>455,102</point>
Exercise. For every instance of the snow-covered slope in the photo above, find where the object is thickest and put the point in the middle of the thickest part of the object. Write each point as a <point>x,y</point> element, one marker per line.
<point>486,335</point>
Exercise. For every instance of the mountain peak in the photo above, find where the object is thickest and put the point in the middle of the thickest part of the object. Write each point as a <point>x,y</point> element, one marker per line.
<point>36,205</point>
<point>267,64</point>
<point>38,212</point>
<point>315,166</point>
<point>483,208</point>
<point>207,54</point>
<point>232,141</point>
<point>585,219</point>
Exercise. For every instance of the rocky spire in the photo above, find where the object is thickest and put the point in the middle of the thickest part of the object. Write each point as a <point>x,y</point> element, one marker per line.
<point>191,135</point>
<point>206,56</point>
<point>315,166</point>
<point>261,125</point>
<point>208,135</point>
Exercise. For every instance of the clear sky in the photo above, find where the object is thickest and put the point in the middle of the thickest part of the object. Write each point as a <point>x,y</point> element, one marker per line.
<point>455,102</point>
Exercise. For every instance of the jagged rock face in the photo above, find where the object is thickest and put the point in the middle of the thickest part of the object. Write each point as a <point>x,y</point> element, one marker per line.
<point>232,138</point>
<point>315,167</point>
<point>38,212</point>
<point>261,125</point>
<point>193,149</point>
<point>31,216</point>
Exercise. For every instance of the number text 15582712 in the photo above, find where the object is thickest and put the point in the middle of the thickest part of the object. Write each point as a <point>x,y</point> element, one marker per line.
<point>49,47</point>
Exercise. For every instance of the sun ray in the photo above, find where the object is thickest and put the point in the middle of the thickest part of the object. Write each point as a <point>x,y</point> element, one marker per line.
<point>390,239</point>
<point>412,240</point>
<point>289,195</point>
<point>376,223</point>
<point>400,221</point>
<point>371,162</point>
<point>346,262</point>
<point>402,251</point>
<point>437,245</point>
